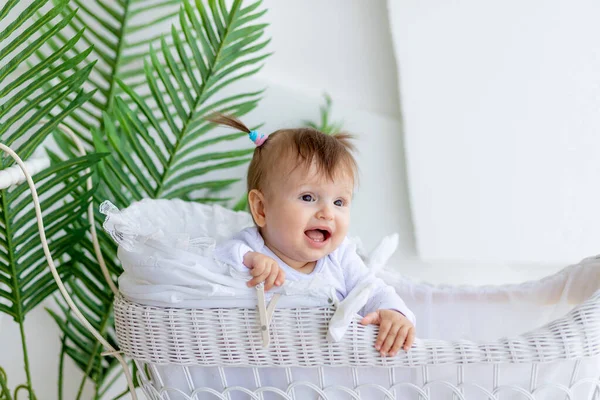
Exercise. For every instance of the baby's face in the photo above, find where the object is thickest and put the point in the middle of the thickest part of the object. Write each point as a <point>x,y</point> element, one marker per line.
<point>306,214</point>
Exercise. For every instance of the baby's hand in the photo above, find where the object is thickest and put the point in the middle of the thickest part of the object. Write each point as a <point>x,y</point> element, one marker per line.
<point>263,269</point>
<point>395,330</point>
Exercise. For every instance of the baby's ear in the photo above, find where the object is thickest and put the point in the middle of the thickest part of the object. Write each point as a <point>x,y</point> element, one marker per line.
<point>256,201</point>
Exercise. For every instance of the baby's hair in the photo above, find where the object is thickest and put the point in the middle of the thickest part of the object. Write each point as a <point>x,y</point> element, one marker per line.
<point>332,153</point>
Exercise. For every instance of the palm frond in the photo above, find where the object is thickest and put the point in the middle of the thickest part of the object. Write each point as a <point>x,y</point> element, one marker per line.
<point>91,293</point>
<point>30,95</point>
<point>25,281</point>
<point>23,269</point>
<point>161,144</point>
<point>93,297</point>
<point>120,33</point>
<point>36,95</point>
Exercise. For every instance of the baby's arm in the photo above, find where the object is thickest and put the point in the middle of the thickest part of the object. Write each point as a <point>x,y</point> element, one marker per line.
<point>238,252</point>
<point>383,296</point>
<point>384,308</point>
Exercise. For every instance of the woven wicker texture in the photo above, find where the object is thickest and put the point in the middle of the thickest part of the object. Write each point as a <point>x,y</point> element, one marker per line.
<point>231,337</point>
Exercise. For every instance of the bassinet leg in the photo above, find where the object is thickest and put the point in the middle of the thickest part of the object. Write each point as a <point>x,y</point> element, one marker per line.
<point>157,378</point>
<point>425,373</point>
<point>189,381</point>
<point>575,375</point>
<point>224,380</point>
<point>321,379</point>
<point>392,379</point>
<point>257,382</point>
<point>533,378</point>
<point>495,381</point>
<point>460,378</point>
<point>289,378</point>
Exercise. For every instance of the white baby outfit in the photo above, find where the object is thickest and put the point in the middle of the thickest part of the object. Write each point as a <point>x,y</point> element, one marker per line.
<point>343,269</point>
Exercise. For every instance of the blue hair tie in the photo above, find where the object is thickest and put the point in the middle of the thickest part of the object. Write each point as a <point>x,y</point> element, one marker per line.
<point>257,138</point>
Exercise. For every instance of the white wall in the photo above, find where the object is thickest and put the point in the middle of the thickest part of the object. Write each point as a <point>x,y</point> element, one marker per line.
<point>500,105</point>
<point>341,47</point>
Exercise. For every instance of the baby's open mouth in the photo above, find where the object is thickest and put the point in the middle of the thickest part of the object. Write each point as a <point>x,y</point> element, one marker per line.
<point>318,235</point>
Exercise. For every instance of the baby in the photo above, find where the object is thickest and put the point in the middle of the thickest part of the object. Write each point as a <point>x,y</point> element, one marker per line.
<point>300,187</point>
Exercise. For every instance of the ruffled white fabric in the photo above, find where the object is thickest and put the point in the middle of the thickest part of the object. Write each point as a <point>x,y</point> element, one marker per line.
<point>484,313</point>
<point>166,249</point>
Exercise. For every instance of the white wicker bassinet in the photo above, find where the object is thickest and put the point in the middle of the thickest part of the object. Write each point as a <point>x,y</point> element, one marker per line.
<point>218,353</point>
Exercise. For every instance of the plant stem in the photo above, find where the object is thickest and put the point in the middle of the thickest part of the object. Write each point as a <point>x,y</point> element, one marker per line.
<point>4,392</point>
<point>14,274</point>
<point>16,395</point>
<point>26,360</point>
<point>110,97</point>
<point>122,394</point>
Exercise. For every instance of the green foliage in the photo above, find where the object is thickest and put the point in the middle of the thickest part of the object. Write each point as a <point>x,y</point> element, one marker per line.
<point>160,146</point>
<point>104,70</point>
<point>24,104</point>
<point>4,391</point>
<point>120,33</point>
<point>162,150</point>
<point>325,125</point>
<point>26,278</point>
<point>29,112</point>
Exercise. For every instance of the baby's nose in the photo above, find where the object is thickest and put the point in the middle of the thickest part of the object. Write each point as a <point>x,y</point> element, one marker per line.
<point>325,213</point>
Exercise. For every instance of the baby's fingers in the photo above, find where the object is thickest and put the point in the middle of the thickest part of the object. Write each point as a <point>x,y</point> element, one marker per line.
<point>260,278</point>
<point>389,340</point>
<point>280,278</point>
<point>410,339</point>
<point>258,270</point>
<point>400,340</point>
<point>384,329</point>
<point>371,318</point>
<point>270,280</point>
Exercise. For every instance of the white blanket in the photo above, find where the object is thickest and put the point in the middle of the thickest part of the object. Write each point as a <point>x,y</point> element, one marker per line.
<point>166,248</point>
<point>166,245</point>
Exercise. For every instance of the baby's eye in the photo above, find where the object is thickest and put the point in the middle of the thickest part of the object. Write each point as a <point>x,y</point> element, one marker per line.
<point>307,197</point>
<point>339,202</point>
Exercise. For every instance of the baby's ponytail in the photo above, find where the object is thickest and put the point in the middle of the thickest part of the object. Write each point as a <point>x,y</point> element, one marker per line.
<point>228,120</point>
<point>258,138</point>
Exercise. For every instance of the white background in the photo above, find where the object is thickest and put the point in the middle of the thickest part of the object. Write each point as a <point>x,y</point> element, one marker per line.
<point>501,114</point>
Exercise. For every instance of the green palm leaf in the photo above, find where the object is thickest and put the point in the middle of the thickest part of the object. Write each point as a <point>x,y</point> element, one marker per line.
<point>93,297</point>
<point>161,146</point>
<point>23,269</point>
<point>120,33</point>
<point>25,280</point>
<point>36,95</point>
<point>30,95</point>
<point>91,293</point>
